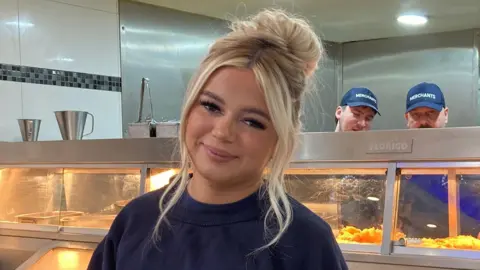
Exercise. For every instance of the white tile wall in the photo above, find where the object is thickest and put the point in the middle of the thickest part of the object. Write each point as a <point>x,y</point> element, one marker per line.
<point>40,102</point>
<point>10,111</point>
<point>74,35</point>
<point>9,44</point>
<point>104,5</point>
<point>62,36</point>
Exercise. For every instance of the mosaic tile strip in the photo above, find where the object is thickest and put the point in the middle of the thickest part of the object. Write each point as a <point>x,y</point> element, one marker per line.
<point>15,73</point>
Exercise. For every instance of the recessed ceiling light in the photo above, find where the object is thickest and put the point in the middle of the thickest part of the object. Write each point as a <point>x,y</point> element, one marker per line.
<point>375,199</point>
<point>21,24</point>
<point>433,226</point>
<point>412,19</point>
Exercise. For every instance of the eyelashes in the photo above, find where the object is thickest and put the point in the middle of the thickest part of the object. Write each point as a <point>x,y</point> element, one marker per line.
<point>210,106</point>
<point>215,109</point>
<point>255,124</point>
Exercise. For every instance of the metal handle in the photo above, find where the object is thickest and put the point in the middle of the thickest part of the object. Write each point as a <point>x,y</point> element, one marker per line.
<point>150,117</point>
<point>142,95</point>
<point>93,124</point>
<point>30,130</point>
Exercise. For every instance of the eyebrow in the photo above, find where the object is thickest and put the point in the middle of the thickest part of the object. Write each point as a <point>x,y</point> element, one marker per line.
<point>213,96</point>
<point>247,110</point>
<point>358,110</point>
<point>429,110</point>
<point>364,113</point>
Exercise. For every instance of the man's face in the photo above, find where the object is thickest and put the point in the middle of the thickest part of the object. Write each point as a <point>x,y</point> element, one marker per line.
<point>354,118</point>
<point>424,117</point>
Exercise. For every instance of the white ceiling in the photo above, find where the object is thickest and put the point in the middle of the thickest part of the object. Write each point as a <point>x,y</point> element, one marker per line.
<point>348,20</point>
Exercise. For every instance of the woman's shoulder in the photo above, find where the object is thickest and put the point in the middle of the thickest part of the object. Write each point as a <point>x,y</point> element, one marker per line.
<point>142,211</point>
<point>308,229</point>
<point>145,202</point>
<point>307,221</point>
<point>312,238</point>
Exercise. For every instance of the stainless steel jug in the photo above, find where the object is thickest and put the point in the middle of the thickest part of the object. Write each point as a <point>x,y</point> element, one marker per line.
<point>29,129</point>
<point>72,124</point>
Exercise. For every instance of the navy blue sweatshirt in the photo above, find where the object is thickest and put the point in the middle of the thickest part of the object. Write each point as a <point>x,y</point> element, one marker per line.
<point>214,237</point>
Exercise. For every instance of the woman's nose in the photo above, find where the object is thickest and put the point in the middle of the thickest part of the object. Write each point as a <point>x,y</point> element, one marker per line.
<point>224,128</point>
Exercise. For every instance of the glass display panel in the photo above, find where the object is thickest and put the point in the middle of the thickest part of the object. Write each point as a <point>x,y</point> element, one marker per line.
<point>160,177</point>
<point>31,195</point>
<point>351,201</point>
<point>98,194</point>
<point>89,198</point>
<point>440,208</point>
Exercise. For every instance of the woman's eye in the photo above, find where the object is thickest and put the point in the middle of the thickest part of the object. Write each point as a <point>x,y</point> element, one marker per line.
<point>255,124</point>
<point>210,106</point>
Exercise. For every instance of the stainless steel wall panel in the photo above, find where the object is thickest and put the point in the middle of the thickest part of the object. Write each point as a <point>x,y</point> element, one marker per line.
<point>166,46</point>
<point>320,103</point>
<point>390,67</point>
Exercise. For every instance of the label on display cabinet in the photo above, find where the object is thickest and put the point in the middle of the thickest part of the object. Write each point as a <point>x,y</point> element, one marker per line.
<point>391,146</point>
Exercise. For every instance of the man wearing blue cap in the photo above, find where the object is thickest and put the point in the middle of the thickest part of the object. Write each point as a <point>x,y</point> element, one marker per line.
<point>357,110</point>
<point>355,113</point>
<point>426,196</point>
<point>426,107</point>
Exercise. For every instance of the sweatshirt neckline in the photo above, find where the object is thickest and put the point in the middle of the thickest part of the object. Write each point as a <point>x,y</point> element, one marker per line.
<point>188,210</point>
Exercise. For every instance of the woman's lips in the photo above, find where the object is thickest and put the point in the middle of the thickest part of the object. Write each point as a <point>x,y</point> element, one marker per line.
<point>218,154</point>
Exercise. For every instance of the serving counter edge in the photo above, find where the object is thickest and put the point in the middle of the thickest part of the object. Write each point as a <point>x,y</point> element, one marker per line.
<point>448,144</point>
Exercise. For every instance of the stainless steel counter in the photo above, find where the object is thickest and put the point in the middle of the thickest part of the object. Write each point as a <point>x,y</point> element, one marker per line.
<point>11,259</point>
<point>448,144</point>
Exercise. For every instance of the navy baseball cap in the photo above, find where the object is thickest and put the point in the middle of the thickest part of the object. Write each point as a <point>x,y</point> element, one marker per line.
<point>360,96</point>
<point>425,95</point>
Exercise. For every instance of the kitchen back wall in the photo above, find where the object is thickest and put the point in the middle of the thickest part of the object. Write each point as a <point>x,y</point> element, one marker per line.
<point>166,46</point>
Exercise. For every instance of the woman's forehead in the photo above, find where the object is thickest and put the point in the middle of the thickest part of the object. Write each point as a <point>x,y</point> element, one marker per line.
<point>235,86</point>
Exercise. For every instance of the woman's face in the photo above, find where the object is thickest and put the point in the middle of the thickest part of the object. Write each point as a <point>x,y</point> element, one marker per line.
<point>229,135</point>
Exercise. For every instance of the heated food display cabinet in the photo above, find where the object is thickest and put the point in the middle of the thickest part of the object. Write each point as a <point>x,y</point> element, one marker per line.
<point>406,199</point>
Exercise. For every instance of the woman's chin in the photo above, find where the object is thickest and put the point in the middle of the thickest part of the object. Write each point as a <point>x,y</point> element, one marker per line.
<point>215,173</point>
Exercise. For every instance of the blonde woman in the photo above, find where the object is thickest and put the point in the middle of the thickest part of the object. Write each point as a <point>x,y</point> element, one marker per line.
<point>238,132</point>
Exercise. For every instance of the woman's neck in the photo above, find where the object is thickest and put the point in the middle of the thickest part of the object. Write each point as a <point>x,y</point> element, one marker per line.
<point>205,191</point>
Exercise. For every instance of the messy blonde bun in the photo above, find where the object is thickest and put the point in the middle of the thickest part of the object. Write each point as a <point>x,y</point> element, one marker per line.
<point>294,33</point>
<point>281,50</point>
